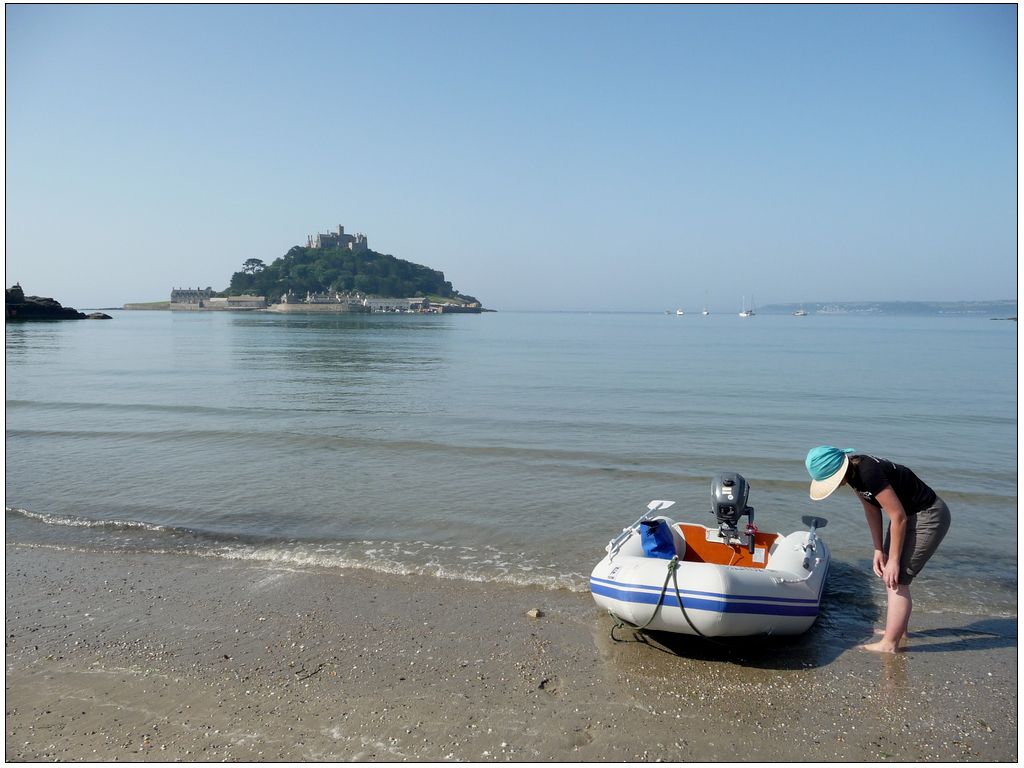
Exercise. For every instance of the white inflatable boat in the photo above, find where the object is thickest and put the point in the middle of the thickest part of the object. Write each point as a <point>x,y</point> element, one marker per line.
<point>713,582</point>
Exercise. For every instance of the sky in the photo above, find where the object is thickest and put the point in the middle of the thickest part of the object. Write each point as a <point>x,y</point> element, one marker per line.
<point>544,157</point>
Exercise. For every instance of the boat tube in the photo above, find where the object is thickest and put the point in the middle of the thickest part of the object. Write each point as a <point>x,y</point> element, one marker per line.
<point>693,579</point>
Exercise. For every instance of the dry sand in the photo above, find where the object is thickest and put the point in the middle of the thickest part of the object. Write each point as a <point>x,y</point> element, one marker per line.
<point>162,658</point>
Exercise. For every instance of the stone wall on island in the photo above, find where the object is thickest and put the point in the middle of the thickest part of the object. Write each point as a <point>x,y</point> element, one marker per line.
<point>341,307</point>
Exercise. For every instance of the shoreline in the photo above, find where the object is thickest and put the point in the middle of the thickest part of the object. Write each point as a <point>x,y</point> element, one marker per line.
<point>166,657</point>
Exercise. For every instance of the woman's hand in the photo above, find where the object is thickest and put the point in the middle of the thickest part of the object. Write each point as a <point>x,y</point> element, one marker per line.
<point>891,574</point>
<point>878,563</point>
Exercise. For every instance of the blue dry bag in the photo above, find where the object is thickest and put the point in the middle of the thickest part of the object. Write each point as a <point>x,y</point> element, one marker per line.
<point>657,539</point>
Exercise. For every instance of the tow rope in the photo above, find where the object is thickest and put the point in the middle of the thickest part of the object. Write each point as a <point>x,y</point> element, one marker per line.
<point>671,570</point>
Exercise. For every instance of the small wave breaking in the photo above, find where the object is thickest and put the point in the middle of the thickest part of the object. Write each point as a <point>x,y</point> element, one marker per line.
<point>408,558</point>
<point>73,521</point>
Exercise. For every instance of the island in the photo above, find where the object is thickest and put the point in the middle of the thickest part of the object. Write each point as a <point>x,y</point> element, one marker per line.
<point>333,272</point>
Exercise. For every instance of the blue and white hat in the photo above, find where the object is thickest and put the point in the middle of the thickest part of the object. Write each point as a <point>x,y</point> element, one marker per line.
<point>827,467</point>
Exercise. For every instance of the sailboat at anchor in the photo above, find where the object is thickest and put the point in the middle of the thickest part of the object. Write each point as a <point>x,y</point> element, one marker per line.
<point>748,312</point>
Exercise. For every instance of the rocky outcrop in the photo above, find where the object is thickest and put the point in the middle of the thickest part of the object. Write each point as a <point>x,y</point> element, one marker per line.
<point>22,307</point>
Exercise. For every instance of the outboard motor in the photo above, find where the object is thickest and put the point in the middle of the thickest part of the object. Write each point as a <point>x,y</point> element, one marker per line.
<point>729,492</point>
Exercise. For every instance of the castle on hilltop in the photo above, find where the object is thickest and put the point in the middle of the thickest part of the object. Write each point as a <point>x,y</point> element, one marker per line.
<point>338,239</point>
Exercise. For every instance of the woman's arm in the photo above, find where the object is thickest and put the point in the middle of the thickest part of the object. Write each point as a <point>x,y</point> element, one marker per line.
<point>874,517</point>
<point>897,533</point>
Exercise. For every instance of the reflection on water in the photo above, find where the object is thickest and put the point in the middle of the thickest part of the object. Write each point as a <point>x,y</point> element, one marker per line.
<point>892,672</point>
<point>34,341</point>
<point>361,345</point>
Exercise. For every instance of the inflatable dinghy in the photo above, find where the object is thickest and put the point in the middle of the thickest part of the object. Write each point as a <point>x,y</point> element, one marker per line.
<point>671,576</point>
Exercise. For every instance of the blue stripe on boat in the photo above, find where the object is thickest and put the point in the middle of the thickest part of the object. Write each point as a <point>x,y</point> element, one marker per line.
<point>697,593</point>
<point>724,603</point>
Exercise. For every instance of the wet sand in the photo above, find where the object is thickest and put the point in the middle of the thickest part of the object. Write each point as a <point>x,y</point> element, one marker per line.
<point>163,658</point>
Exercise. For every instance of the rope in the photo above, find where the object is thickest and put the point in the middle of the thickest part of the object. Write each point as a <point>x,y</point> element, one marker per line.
<point>679,597</point>
<point>673,564</point>
<point>735,554</point>
<point>671,571</point>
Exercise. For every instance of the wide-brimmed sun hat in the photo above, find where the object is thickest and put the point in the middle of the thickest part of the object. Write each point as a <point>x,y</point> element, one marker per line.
<point>827,466</point>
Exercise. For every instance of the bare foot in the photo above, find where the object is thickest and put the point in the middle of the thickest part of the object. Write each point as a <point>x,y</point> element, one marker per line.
<point>882,647</point>
<point>903,640</point>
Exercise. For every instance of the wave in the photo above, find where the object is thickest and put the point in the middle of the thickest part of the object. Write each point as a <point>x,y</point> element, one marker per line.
<point>851,589</point>
<point>67,405</point>
<point>72,521</point>
<point>412,558</point>
<point>492,570</point>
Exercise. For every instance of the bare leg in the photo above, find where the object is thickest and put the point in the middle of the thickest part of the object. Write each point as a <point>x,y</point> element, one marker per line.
<point>897,617</point>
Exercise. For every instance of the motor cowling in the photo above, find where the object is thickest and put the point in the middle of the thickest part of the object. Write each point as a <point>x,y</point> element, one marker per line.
<point>729,493</point>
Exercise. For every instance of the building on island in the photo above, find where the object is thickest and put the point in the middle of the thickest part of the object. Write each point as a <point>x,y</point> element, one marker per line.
<point>338,239</point>
<point>244,301</point>
<point>418,304</point>
<point>206,299</point>
<point>349,302</point>
<point>191,295</point>
<point>322,302</point>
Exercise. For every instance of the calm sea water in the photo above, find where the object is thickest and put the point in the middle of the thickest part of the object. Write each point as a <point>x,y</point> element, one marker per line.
<point>502,447</point>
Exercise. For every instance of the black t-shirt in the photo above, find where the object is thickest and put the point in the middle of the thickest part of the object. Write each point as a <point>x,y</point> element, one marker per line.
<point>874,475</point>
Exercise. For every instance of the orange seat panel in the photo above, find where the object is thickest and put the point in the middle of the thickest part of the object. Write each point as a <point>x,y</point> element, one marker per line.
<point>700,550</point>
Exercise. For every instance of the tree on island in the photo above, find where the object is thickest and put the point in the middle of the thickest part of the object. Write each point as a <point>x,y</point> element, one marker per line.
<point>327,270</point>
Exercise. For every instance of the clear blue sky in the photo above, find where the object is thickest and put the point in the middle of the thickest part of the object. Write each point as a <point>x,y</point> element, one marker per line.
<point>543,157</point>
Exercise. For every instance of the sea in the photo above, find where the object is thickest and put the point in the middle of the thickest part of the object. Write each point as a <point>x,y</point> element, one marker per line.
<point>504,447</point>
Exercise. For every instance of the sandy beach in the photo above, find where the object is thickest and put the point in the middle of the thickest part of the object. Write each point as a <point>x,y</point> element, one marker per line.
<point>164,658</point>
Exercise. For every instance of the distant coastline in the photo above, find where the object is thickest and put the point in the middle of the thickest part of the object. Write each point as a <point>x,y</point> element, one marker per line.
<point>999,309</point>
<point>995,308</point>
